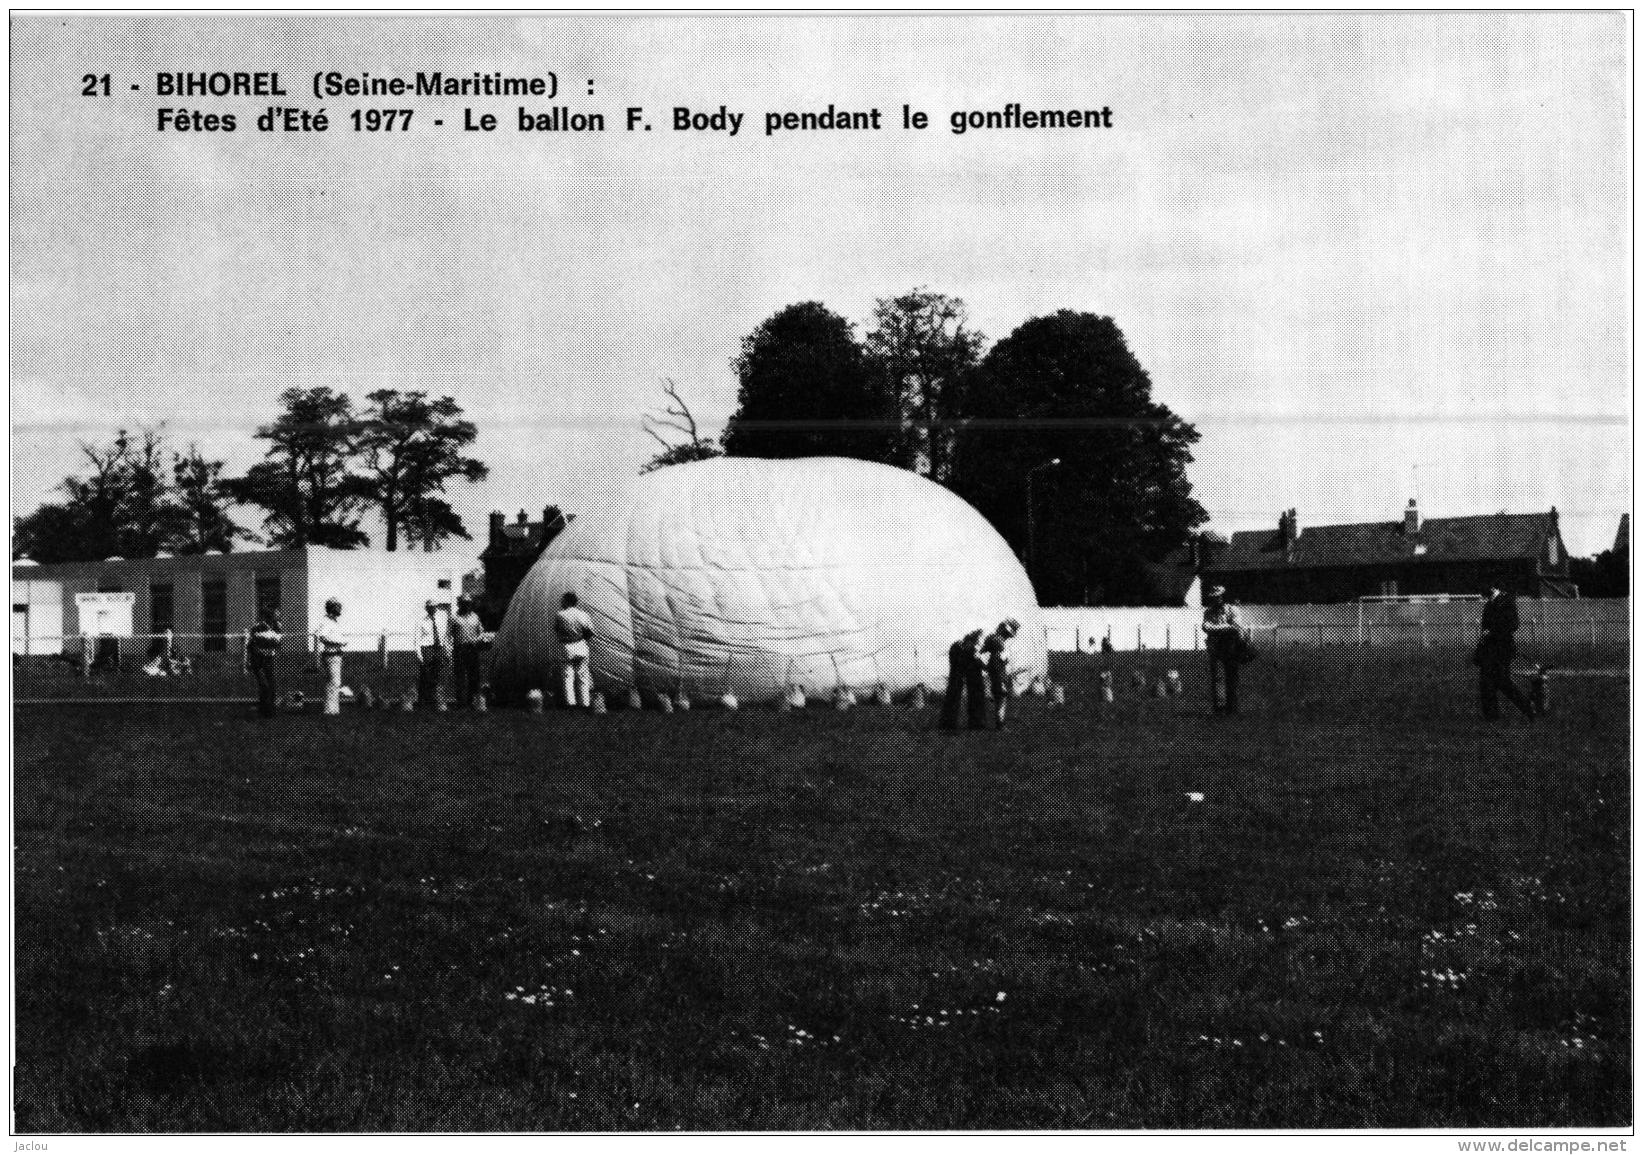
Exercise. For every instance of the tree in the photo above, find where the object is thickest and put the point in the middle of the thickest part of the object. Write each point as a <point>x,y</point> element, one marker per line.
<point>411,447</point>
<point>305,483</point>
<point>1067,386</point>
<point>121,508</point>
<point>805,391</point>
<point>199,498</point>
<point>1605,575</point>
<point>922,353</point>
<point>676,419</point>
<point>51,534</point>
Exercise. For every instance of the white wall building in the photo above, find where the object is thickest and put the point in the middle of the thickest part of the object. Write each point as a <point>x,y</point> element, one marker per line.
<point>210,600</point>
<point>36,613</point>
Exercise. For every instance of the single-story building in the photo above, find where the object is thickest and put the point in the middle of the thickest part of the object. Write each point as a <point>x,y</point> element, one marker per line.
<point>210,600</point>
<point>1522,552</point>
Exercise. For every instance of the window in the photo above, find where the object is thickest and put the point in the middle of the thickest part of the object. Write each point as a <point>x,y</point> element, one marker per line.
<point>162,614</point>
<point>268,592</point>
<point>214,613</point>
<point>1551,551</point>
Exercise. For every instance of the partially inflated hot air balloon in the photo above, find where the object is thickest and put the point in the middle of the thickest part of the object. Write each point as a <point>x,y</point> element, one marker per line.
<point>748,577</point>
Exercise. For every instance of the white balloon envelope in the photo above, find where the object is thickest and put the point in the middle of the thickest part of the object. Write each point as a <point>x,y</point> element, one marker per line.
<point>747,576</point>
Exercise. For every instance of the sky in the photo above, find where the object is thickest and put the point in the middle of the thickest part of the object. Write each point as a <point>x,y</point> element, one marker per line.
<point>1370,257</point>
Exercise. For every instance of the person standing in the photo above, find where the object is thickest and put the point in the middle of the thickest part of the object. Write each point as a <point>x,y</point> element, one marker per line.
<point>331,641</point>
<point>964,679</point>
<point>1222,634</point>
<point>996,651</point>
<point>261,649</point>
<point>430,654</point>
<point>575,630</point>
<point>467,640</point>
<point>1497,646</point>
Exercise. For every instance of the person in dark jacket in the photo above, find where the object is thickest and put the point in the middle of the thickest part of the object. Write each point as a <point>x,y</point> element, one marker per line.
<point>1222,632</point>
<point>1497,646</point>
<point>1000,678</point>
<point>966,670</point>
<point>262,648</point>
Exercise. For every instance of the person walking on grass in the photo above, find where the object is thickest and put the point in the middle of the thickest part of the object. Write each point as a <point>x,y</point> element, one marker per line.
<point>330,642</point>
<point>1000,678</point>
<point>430,653</point>
<point>1222,634</point>
<point>1497,646</point>
<point>262,648</point>
<point>965,679</point>
<point>574,629</point>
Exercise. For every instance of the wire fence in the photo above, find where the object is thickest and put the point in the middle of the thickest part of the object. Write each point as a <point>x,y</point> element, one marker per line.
<point>1563,625</point>
<point>124,650</point>
<point>204,666</point>
<point>175,666</point>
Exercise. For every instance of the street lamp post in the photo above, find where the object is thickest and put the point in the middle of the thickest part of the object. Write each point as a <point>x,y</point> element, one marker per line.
<point>1032,550</point>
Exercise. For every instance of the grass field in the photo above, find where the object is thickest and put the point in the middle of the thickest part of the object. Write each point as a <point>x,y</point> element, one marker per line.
<point>1383,912</point>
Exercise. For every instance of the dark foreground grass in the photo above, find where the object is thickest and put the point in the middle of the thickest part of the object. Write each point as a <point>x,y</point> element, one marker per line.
<point>1383,913</point>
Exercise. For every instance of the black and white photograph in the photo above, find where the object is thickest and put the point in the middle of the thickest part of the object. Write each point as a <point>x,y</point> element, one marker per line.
<point>612,575</point>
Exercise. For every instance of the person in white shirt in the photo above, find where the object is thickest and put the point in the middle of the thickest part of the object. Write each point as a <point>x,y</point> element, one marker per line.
<point>331,641</point>
<point>468,638</point>
<point>430,652</point>
<point>575,630</point>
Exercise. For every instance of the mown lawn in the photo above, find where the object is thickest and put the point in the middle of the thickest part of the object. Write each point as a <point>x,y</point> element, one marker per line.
<point>1382,913</point>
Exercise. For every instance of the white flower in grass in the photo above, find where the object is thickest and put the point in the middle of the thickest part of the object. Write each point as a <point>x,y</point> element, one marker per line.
<point>1000,997</point>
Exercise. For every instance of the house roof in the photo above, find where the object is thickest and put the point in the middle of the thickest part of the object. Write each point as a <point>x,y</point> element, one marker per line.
<point>1491,537</point>
<point>523,537</point>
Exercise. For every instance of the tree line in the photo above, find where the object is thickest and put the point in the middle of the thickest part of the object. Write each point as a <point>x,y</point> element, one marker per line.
<point>326,466</point>
<point>1052,432</point>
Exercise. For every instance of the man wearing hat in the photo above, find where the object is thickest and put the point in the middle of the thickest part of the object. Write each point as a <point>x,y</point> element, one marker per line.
<point>996,651</point>
<point>1222,633</point>
<point>468,637</point>
<point>430,652</point>
<point>1497,646</point>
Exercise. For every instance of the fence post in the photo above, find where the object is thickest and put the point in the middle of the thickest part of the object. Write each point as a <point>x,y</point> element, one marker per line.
<point>1139,645</point>
<point>382,648</point>
<point>1167,644</point>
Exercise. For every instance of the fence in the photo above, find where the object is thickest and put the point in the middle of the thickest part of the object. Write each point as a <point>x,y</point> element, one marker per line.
<point>1571,624</point>
<point>123,652</point>
<point>192,665</point>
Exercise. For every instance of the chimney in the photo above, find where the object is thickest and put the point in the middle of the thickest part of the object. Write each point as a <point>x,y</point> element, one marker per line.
<point>1411,519</point>
<point>497,520</point>
<point>1289,530</point>
<point>524,519</point>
